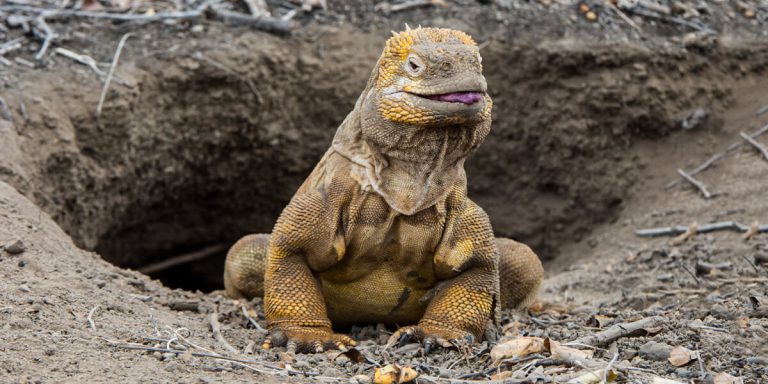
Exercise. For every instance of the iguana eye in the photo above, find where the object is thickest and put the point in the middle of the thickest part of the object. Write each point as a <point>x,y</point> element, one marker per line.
<point>414,65</point>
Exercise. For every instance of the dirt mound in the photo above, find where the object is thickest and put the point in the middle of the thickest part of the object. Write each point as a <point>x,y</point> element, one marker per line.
<point>204,139</point>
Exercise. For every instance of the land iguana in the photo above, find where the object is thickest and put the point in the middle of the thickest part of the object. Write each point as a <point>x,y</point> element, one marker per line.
<point>382,230</point>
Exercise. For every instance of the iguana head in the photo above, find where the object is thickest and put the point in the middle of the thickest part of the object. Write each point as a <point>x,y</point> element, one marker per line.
<point>431,76</point>
<point>424,110</point>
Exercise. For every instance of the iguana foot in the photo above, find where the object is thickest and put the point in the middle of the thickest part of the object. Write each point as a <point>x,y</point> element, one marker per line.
<point>306,339</point>
<point>431,335</point>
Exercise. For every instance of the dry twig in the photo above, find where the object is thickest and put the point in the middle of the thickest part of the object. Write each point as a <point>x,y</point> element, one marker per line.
<point>213,320</point>
<point>48,35</point>
<point>12,45</point>
<point>687,235</point>
<point>618,331</point>
<point>82,59</point>
<point>696,183</point>
<point>387,7</point>
<point>268,24</point>
<point>111,72</point>
<point>251,320</point>
<point>183,259</point>
<point>705,228</point>
<point>90,317</point>
<point>755,144</point>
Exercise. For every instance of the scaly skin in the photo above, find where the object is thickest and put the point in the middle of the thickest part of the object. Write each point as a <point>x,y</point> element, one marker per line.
<point>382,230</point>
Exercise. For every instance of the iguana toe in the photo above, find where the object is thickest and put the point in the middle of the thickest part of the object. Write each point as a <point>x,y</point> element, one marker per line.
<point>431,335</point>
<point>306,339</point>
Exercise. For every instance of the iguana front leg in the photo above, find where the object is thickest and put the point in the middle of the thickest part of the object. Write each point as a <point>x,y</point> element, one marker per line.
<point>294,306</point>
<point>464,302</point>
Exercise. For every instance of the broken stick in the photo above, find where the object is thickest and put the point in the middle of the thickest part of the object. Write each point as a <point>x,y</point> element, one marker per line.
<point>213,320</point>
<point>184,259</point>
<point>698,184</point>
<point>755,144</point>
<point>111,72</point>
<point>618,331</point>
<point>706,228</point>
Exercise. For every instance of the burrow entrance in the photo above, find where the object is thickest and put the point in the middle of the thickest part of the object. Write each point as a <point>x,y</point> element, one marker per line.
<point>207,142</point>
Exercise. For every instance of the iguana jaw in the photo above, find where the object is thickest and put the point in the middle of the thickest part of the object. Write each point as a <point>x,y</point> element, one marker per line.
<point>467,88</point>
<point>459,99</point>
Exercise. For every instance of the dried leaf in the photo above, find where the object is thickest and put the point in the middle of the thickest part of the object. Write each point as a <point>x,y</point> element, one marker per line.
<point>600,321</point>
<point>742,321</point>
<point>725,378</point>
<point>680,356</point>
<point>394,374</point>
<point>543,307</point>
<point>517,347</point>
<point>558,351</point>
<point>758,301</point>
<point>592,377</point>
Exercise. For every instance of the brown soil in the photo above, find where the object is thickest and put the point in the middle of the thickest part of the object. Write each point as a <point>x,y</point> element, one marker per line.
<point>211,132</point>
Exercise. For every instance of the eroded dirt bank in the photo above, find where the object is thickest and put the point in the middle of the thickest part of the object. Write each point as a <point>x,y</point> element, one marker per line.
<point>207,138</point>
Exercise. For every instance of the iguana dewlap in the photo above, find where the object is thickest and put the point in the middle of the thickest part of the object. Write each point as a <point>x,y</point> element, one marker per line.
<point>382,230</point>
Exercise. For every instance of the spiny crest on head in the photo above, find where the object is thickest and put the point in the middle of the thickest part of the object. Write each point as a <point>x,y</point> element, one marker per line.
<point>399,45</point>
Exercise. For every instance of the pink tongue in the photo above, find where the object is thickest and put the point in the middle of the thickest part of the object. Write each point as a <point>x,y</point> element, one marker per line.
<point>459,97</point>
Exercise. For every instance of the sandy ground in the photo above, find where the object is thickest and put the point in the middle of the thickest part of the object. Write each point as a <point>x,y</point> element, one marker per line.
<point>587,136</point>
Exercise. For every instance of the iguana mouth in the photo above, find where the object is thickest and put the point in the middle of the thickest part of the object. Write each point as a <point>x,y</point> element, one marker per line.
<point>467,98</point>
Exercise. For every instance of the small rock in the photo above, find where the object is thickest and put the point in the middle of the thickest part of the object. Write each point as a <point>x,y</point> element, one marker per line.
<point>16,247</point>
<point>360,379</point>
<point>197,28</point>
<point>665,277</point>
<point>721,312</point>
<point>24,288</point>
<point>655,351</point>
<point>100,283</point>
<point>682,372</point>
<point>22,263</point>
<point>168,356</point>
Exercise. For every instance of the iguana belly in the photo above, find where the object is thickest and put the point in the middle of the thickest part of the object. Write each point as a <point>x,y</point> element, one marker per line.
<point>378,297</point>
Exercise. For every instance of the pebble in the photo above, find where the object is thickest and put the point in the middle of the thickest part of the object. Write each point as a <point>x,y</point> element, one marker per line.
<point>665,277</point>
<point>24,288</point>
<point>16,247</point>
<point>721,312</point>
<point>654,351</point>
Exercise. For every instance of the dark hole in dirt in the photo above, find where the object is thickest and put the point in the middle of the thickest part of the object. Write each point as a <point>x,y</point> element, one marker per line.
<point>193,156</point>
